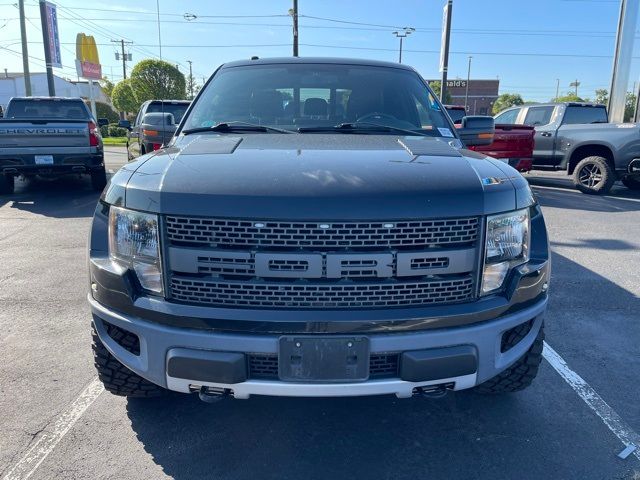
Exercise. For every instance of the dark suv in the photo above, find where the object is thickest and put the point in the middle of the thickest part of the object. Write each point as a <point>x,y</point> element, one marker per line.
<point>316,227</point>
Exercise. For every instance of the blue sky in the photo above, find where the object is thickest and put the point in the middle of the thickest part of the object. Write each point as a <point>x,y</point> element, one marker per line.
<point>527,44</point>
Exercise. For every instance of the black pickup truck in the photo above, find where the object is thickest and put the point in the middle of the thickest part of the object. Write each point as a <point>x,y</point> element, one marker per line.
<point>316,227</point>
<point>49,136</point>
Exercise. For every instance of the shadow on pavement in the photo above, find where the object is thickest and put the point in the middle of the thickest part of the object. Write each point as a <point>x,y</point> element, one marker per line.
<point>619,200</point>
<point>66,197</point>
<point>544,432</point>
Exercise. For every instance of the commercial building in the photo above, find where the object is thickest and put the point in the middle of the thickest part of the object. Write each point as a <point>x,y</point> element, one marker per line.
<point>12,85</point>
<point>482,94</point>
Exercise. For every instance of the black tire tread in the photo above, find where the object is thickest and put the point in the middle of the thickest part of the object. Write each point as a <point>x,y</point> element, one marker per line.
<point>518,376</point>
<point>607,171</point>
<point>118,379</point>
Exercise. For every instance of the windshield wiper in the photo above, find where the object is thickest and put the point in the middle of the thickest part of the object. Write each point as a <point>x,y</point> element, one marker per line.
<point>349,127</point>
<point>236,127</point>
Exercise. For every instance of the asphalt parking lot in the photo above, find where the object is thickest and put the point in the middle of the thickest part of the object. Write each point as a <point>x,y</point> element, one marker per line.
<point>556,429</point>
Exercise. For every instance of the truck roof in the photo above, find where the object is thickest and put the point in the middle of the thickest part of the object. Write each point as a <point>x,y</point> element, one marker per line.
<point>45,98</point>
<point>568,104</point>
<point>323,60</point>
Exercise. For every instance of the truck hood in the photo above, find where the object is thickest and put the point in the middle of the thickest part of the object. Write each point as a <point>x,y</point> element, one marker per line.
<point>318,176</point>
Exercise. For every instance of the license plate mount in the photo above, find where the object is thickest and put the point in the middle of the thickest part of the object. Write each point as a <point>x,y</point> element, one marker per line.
<point>323,359</point>
<point>44,159</point>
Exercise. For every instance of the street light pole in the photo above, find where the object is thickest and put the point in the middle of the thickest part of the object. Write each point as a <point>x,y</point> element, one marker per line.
<point>557,88</point>
<point>466,93</point>
<point>406,31</point>
<point>159,36</point>
<point>190,79</point>
<point>294,16</point>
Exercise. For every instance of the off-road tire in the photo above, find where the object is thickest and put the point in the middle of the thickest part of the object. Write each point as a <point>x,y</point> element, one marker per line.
<point>518,376</point>
<point>632,183</point>
<point>99,178</point>
<point>594,175</point>
<point>7,184</point>
<point>117,378</point>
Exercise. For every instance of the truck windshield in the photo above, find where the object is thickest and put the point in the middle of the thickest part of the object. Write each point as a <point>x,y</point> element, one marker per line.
<point>176,109</point>
<point>44,108</point>
<point>307,97</point>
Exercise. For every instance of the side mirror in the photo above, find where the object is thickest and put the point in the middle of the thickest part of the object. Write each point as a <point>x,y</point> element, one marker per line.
<point>103,122</point>
<point>125,124</point>
<point>477,130</point>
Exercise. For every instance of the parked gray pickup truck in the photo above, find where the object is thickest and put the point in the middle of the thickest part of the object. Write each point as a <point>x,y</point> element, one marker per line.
<point>49,136</point>
<point>154,125</point>
<point>310,231</point>
<point>577,137</point>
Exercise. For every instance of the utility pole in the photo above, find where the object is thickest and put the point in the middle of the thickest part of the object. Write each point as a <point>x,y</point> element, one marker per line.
<point>444,48</point>
<point>190,79</point>
<point>575,84</point>
<point>47,51</point>
<point>557,88</point>
<point>406,31</point>
<point>25,53</point>
<point>294,14</point>
<point>125,57</point>
<point>159,36</point>
<point>466,92</point>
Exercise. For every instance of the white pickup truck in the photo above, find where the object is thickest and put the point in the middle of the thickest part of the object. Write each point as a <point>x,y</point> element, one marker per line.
<point>49,136</point>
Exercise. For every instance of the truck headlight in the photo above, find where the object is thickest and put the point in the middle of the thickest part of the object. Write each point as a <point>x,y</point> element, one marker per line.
<point>133,242</point>
<point>507,245</point>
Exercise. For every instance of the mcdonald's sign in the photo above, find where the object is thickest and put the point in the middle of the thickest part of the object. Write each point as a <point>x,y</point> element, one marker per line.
<point>87,60</point>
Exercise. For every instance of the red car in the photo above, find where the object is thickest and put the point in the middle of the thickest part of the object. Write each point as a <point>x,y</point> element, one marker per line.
<point>511,143</point>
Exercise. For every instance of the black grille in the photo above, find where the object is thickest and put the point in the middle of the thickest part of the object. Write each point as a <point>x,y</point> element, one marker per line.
<point>513,336</point>
<point>265,366</point>
<point>262,294</point>
<point>236,233</point>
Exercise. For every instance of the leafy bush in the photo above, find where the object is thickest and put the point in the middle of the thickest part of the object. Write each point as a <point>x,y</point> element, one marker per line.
<point>115,131</point>
<point>104,131</point>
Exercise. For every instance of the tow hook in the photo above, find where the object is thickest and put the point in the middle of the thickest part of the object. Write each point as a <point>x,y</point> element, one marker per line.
<point>213,395</point>
<point>433,391</point>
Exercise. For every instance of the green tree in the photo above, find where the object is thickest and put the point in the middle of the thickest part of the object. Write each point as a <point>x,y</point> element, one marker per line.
<point>123,97</point>
<point>435,86</point>
<point>107,87</point>
<point>506,100</point>
<point>629,106</point>
<point>104,110</point>
<point>157,80</point>
<point>568,97</point>
<point>602,96</point>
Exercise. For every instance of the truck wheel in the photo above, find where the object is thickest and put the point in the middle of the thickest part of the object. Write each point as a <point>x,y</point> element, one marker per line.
<point>117,378</point>
<point>594,175</point>
<point>7,184</point>
<point>519,375</point>
<point>99,178</point>
<point>632,183</point>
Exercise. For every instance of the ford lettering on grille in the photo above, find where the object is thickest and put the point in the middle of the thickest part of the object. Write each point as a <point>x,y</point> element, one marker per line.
<point>299,265</point>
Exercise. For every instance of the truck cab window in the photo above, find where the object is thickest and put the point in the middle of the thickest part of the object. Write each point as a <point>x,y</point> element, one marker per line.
<point>508,116</point>
<point>577,114</point>
<point>537,116</point>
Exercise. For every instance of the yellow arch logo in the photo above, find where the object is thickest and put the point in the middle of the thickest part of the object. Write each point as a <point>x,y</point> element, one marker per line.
<point>86,50</point>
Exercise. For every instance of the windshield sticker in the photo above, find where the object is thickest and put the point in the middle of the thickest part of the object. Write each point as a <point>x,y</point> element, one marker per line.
<point>445,132</point>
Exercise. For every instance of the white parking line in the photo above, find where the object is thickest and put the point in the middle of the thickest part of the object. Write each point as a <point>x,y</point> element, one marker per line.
<point>32,459</point>
<point>52,435</point>
<point>611,419</point>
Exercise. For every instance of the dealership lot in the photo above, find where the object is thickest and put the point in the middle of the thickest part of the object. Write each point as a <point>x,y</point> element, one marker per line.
<point>547,431</point>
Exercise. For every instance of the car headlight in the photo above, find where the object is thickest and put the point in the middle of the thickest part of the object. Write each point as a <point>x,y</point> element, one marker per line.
<point>507,245</point>
<point>133,242</point>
